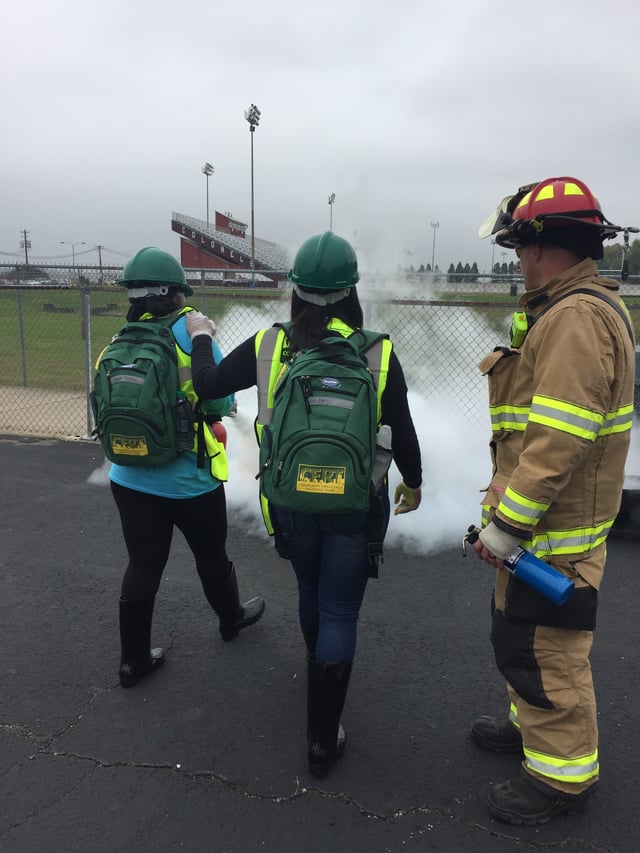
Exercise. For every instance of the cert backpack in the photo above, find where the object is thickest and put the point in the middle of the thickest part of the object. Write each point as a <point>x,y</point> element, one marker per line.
<point>136,399</point>
<point>317,452</point>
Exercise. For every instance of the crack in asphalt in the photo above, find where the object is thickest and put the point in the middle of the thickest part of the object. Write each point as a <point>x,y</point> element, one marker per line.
<point>300,790</point>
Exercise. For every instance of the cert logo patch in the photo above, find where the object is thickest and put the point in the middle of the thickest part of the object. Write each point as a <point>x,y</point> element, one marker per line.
<point>321,479</point>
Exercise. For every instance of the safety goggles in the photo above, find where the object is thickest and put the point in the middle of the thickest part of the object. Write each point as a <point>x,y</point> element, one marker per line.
<point>148,290</point>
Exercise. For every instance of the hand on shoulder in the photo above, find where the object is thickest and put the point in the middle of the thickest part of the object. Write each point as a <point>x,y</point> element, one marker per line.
<point>199,324</point>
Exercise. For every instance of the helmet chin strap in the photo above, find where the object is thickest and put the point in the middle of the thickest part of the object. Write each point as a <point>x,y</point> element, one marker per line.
<point>329,298</point>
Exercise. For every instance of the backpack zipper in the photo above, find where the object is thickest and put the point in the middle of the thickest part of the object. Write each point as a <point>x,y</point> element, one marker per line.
<point>305,386</point>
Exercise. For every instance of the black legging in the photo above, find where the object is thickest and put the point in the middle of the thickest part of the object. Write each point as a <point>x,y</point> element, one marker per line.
<point>147,525</point>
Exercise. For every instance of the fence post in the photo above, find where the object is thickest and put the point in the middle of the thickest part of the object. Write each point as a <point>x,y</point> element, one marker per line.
<point>86,304</point>
<point>203,300</point>
<point>23,343</point>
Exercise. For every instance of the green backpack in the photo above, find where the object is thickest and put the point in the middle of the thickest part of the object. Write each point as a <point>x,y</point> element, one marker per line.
<point>317,453</point>
<point>135,397</point>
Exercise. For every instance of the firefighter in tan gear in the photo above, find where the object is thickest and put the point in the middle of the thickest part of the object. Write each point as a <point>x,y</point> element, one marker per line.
<point>561,404</point>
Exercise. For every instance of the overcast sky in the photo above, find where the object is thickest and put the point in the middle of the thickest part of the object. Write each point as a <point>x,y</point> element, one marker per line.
<point>411,112</point>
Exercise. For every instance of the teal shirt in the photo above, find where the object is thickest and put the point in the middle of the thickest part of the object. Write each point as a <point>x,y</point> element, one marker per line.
<point>181,478</point>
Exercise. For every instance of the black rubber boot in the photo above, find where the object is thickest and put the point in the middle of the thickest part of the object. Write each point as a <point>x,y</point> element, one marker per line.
<point>224,598</point>
<point>526,801</point>
<point>310,641</point>
<point>327,685</point>
<point>496,734</point>
<point>137,659</point>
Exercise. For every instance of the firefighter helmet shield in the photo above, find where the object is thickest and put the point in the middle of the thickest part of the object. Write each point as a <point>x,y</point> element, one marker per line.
<point>151,267</point>
<point>325,262</point>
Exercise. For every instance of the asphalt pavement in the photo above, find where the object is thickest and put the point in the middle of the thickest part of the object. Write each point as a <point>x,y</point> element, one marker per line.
<point>209,753</point>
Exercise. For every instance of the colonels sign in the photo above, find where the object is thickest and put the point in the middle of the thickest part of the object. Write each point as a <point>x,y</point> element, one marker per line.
<point>215,247</point>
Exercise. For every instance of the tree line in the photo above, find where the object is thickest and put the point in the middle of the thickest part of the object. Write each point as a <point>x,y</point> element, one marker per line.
<point>612,260</point>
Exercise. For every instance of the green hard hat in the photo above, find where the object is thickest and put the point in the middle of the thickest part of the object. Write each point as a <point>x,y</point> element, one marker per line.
<point>150,268</point>
<point>325,262</point>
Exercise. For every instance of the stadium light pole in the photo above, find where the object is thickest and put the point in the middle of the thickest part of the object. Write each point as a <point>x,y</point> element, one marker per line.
<point>493,249</point>
<point>332,198</point>
<point>73,249</point>
<point>252,115</point>
<point>26,245</point>
<point>434,225</point>
<point>207,171</point>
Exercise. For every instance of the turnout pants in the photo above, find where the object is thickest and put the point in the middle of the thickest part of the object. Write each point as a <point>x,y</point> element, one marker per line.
<point>549,680</point>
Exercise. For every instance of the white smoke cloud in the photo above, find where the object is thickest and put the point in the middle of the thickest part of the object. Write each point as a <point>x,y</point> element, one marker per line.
<point>100,477</point>
<point>455,462</point>
<point>632,468</point>
<point>455,467</point>
<point>454,445</point>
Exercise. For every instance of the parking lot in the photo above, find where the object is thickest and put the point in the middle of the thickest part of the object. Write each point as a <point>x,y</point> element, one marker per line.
<point>209,754</point>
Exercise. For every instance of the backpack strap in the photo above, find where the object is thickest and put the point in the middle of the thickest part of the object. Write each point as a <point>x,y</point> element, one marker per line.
<point>367,344</point>
<point>373,353</point>
<point>271,341</point>
<point>168,322</point>
<point>371,346</point>
<point>590,292</point>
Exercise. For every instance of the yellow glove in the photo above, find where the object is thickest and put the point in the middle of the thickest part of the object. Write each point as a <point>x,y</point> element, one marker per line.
<point>406,499</point>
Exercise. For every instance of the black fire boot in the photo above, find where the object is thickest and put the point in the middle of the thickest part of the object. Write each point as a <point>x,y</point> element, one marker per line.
<point>327,685</point>
<point>496,734</point>
<point>137,659</point>
<point>527,801</point>
<point>224,598</point>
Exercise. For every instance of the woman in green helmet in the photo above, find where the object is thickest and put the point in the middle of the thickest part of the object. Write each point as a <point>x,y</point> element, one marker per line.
<point>152,500</point>
<point>329,553</point>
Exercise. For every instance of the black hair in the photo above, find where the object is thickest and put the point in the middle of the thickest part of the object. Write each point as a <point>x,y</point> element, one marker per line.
<point>159,306</point>
<point>310,321</point>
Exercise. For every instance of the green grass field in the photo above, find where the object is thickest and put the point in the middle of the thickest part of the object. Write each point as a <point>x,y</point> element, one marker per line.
<point>45,330</point>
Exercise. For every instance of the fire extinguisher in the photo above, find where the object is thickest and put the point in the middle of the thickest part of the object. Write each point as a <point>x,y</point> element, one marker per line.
<point>220,432</point>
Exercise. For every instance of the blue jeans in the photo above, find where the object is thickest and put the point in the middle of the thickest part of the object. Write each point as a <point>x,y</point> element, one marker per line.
<point>330,558</point>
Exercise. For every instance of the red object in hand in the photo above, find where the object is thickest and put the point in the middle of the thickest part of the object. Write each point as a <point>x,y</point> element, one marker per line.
<point>220,432</point>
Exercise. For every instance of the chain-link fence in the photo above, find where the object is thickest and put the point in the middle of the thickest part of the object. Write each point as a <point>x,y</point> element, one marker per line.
<point>52,330</point>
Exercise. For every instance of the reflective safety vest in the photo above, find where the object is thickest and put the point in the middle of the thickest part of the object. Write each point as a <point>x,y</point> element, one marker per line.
<point>272,351</point>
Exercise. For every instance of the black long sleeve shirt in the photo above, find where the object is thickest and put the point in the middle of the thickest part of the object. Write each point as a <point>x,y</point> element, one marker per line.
<point>238,371</point>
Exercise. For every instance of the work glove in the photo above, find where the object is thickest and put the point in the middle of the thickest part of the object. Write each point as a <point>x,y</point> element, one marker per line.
<point>406,499</point>
<point>200,324</point>
<point>497,542</point>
